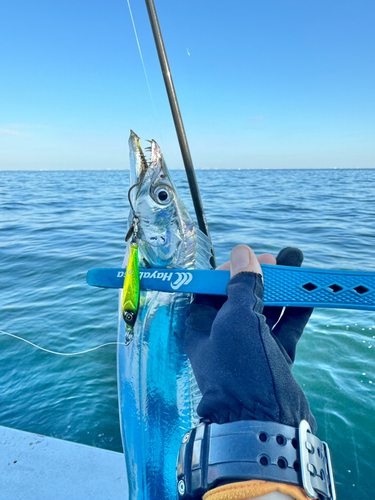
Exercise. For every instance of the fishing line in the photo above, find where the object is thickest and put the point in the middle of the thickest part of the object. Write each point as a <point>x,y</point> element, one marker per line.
<point>143,64</point>
<point>61,353</point>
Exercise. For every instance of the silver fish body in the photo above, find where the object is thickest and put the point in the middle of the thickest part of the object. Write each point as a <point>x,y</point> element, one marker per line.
<point>157,391</point>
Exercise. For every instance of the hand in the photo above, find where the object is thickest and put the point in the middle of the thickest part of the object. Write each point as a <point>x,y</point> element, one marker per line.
<point>242,369</point>
<point>265,258</point>
<point>286,326</point>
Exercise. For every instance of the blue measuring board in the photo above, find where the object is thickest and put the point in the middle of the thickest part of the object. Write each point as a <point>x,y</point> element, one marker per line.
<point>283,285</point>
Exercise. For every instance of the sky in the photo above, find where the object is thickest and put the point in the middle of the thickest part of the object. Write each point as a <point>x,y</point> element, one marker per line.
<point>261,84</point>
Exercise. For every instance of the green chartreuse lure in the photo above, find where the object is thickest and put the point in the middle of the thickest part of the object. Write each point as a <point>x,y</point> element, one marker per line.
<point>130,296</point>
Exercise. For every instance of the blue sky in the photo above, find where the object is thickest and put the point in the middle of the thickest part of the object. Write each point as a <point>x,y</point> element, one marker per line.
<point>261,84</point>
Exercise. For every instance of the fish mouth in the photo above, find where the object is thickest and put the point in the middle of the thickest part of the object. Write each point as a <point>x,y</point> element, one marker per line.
<point>138,163</point>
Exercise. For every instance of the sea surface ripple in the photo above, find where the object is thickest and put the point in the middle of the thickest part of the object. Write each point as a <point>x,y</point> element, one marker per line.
<point>55,226</point>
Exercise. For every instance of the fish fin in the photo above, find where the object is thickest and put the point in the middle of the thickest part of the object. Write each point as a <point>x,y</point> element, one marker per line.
<point>204,251</point>
<point>195,397</point>
<point>179,314</point>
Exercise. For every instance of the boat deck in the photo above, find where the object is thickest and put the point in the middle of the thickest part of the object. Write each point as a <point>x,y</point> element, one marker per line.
<point>35,467</point>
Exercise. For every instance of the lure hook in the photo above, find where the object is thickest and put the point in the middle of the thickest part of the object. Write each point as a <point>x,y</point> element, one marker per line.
<point>133,229</point>
<point>129,198</point>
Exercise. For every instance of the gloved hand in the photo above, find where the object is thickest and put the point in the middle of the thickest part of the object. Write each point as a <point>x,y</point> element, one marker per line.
<point>243,369</point>
<point>287,328</point>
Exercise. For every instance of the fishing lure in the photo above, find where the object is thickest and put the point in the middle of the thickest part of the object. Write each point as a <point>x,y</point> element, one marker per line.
<point>130,296</point>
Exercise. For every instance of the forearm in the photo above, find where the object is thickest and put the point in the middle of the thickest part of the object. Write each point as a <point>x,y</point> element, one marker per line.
<point>251,402</point>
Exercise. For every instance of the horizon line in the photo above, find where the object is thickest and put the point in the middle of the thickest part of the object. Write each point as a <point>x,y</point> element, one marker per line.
<point>175,169</point>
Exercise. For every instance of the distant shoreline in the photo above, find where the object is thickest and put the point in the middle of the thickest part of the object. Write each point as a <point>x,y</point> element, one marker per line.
<point>175,169</point>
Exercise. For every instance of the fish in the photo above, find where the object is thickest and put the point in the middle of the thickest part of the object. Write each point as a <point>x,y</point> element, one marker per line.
<point>158,394</point>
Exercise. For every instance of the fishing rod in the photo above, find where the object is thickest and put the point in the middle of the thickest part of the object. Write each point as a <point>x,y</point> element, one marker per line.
<point>179,125</point>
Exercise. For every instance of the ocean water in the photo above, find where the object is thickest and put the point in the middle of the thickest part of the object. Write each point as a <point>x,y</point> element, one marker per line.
<point>54,226</point>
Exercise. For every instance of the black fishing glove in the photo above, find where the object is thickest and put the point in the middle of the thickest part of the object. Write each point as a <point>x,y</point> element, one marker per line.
<point>290,325</point>
<point>242,368</point>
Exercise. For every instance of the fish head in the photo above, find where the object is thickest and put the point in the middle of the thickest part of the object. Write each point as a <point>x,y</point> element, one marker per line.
<point>165,232</point>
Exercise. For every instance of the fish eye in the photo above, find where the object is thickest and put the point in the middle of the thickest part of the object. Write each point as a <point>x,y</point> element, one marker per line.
<point>162,195</point>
